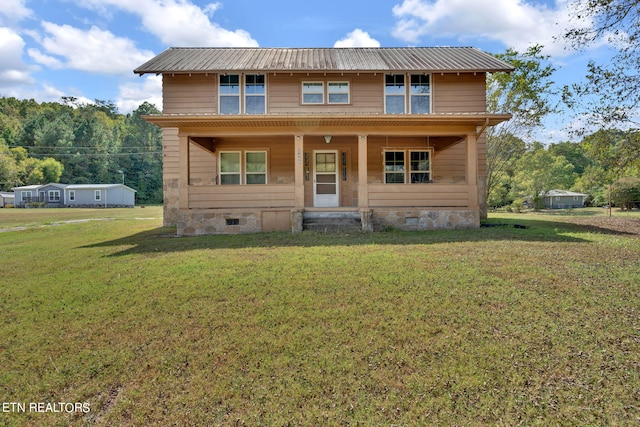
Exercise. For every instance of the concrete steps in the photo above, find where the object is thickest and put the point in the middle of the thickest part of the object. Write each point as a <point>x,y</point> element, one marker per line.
<point>332,221</point>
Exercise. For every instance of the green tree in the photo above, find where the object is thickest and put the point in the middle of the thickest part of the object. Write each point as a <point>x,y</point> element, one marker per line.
<point>526,94</point>
<point>540,171</point>
<point>51,170</point>
<point>141,154</point>
<point>610,94</point>
<point>615,150</point>
<point>625,192</point>
<point>8,167</point>
<point>575,154</point>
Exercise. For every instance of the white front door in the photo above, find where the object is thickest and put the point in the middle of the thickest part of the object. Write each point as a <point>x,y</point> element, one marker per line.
<point>325,179</point>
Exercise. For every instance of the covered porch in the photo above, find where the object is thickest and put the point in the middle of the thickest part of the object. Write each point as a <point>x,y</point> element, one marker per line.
<point>405,172</point>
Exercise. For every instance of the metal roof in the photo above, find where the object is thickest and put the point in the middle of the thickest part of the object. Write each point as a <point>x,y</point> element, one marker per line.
<point>424,59</point>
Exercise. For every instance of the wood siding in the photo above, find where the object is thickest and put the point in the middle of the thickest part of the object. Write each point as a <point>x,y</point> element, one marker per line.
<point>424,195</point>
<point>198,93</point>
<point>170,154</point>
<point>448,170</point>
<point>285,93</point>
<point>241,196</point>
<point>464,93</point>
<point>189,94</point>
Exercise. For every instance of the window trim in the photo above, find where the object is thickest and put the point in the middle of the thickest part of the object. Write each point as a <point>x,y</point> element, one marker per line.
<point>247,95</point>
<point>339,92</point>
<point>404,166</point>
<point>321,92</point>
<point>97,195</point>
<point>411,171</point>
<point>247,173</point>
<point>221,95</point>
<point>403,95</point>
<point>51,194</point>
<point>242,173</point>
<point>238,173</point>
<point>407,93</point>
<point>418,95</point>
<point>407,172</point>
<point>72,195</point>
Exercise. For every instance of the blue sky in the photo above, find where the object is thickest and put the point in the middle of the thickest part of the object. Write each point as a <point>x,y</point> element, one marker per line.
<point>88,48</point>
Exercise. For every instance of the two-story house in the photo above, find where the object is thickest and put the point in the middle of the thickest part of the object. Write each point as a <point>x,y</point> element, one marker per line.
<point>260,139</point>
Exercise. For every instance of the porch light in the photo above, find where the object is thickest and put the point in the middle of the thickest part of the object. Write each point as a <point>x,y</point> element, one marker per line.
<point>327,139</point>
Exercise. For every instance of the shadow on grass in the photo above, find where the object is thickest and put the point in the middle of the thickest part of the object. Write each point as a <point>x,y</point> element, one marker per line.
<point>164,240</point>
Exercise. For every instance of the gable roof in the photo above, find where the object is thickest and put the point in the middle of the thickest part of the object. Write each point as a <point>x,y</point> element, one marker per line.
<point>431,59</point>
<point>72,186</point>
<point>97,187</point>
<point>559,193</point>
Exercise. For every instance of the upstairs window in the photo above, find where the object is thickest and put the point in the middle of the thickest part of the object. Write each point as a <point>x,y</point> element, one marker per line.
<point>420,94</point>
<point>338,92</point>
<point>394,94</point>
<point>254,94</point>
<point>229,94</point>
<point>312,92</point>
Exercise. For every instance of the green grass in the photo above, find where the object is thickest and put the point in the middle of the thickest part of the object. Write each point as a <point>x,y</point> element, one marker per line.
<point>494,326</point>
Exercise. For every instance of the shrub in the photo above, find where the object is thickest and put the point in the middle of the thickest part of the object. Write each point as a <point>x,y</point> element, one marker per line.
<point>625,192</point>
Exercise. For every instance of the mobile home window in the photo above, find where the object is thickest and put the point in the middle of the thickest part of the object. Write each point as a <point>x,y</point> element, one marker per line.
<point>72,195</point>
<point>256,167</point>
<point>394,93</point>
<point>26,196</point>
<point>420,94</point>
<point>254,94</point>
<point>420,167</point>
<point>97,195</point>
<point>338,92</point>
<point>54,195</point>
<point>312,92</point>
<point>229,94</point>
<point>394,167</point>
<point>230,167</point>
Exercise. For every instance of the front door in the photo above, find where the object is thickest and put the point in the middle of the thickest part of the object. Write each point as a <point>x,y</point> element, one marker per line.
<point>325,179</point>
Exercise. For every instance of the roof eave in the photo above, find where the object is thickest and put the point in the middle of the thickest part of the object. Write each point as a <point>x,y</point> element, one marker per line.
<point>297,122</point>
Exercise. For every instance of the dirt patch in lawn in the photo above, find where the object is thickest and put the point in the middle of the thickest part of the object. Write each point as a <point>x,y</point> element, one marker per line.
<point>611,225</point>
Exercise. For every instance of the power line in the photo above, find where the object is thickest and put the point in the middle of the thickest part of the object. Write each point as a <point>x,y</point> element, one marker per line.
<point>95,154</point>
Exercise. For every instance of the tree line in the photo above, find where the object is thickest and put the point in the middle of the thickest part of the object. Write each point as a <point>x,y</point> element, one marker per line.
<point>604,164</point>
<point>78,143</point>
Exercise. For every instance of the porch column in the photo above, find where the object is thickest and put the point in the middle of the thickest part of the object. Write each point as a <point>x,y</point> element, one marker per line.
<point>472,170</point>
<point>363,187</point>
<point>183,186</point>
<point>299,172</point>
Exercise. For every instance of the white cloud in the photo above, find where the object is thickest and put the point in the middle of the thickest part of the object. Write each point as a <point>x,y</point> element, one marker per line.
<point>92,50</point>
<point>357,38</point>
<point>13,71</point>
<point>515,23</point>
<point>134,93</point>
<point>13,10</point>
<point>178,22</point>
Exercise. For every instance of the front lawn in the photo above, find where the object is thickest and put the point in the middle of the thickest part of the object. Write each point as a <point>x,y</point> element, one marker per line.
<point>494,326</point>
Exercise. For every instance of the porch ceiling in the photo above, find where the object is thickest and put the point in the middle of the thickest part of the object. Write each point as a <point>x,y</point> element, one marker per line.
<point>345,123</point>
